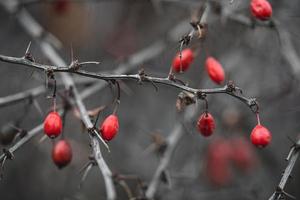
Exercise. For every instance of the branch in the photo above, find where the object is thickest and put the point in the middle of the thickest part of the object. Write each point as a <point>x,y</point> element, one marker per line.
<point>291,158</point>
<point>171,144</point>
<point>35,31</point>
<point>287,48</point>
<point>30,134</point>
<point>15,98</point>
<point>107,175</point>
<point>229,89</point>
<point>133,61</point>
<point>172,140</point>
<point>33,93</point>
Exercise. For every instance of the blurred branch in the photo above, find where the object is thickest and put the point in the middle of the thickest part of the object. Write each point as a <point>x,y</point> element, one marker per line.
<point>172,140</point>
<point>287,48</point>
<point>28,94</point>
<point>29,24</point>
<point>171,144</point>
<point>291,158</point>
<point>32,93</point>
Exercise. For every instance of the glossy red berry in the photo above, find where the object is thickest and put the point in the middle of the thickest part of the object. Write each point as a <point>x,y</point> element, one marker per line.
<point>242,155</point>
<point>181,65</point>
<point>53,125</point>
<point>62,153</point>
<point>261,9</point>
<point>206,124</point>
<point>260,136</point>
<point>61,6</point>
<point>214,70</point>
<point>109,127</point>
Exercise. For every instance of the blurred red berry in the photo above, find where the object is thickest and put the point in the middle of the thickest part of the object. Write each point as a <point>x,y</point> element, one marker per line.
<point>214,70</point>
<point>260,136</point>
<point>53,125</point>
<point>182,64</point>
<point>61,6</point>
<point>261,9</point>
<point>206,124</point>
<point>109,127</point>
<point>218,163</point>
<point>242,154</point>
<point>62,153</point>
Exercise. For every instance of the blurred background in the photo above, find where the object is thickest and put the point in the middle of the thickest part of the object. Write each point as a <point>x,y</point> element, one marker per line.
<point>110,32</point>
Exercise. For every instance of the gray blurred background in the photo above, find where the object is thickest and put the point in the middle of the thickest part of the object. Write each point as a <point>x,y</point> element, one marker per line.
<point>110,31</point>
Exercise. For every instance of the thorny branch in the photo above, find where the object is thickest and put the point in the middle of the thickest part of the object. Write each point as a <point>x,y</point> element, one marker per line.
<point>172,140</point>
<point>136,59</point>
<point>229,89</point>
<point>133,61</point>
<point>29,25</point>
<point>171,144</point>
<point>291,158</point>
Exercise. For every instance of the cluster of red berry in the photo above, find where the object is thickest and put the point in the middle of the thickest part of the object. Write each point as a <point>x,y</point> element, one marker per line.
<point>184,59</point>
<point>260,136</point>
<point>62,152</point>
<point>223,154</point>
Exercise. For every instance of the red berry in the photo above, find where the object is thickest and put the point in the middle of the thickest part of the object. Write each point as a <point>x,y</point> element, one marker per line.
<point>261,9</point>
<point>53,125</point>
<point>214,70</point>
<point>181,65</point>
<point>218,162</point>
<point>62,153</point>
<point>206,124</point>
<point>260,136</point>
<point>242,155</point>
<point>61,6</point>
<point>109,127</point>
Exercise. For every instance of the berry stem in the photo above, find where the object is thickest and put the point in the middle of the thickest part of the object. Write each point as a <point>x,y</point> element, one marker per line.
<point>258,119</point>
<point>180,56</point>
<point>118,97</point>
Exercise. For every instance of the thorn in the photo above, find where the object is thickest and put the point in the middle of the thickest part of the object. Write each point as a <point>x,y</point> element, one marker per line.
<point>43,138</point>
<point>154,85</point>
<point>290,153</point>
<point>28,55</point>
<point>85,173</point>
<point>95,133</point>
<point>288,195</point>
<point>72,53</point>
<point>28,47</point>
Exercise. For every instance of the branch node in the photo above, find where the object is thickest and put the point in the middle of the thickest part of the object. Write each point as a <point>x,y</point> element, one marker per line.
<point>201,95</point>
<point>9,155</point>
<point>74,66</point>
